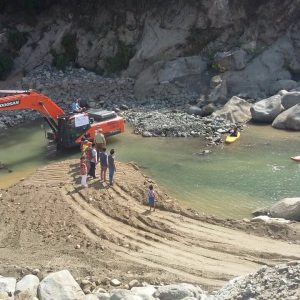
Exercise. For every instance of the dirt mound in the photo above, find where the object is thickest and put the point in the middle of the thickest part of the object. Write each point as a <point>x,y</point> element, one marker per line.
<point>49,222</point>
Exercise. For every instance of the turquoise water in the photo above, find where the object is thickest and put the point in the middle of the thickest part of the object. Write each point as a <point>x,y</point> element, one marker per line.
<point>230,182</point>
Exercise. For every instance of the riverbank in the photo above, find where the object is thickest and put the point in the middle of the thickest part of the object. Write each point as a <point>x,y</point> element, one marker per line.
<point>48,222</point>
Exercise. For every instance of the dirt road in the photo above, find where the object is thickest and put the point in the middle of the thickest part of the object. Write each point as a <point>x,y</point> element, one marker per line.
<point>49,222</point>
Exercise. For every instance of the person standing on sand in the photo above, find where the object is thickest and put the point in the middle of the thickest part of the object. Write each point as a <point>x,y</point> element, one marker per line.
<point>88,154</point>
<point>151,197</point>
<point>103,157</point>
<point>93,162</point>
<point>83,171</point>
<point>111,166</point>
<point>99,141</point>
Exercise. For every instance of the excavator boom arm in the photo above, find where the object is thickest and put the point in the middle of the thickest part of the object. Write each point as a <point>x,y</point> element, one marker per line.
<point>30,100</point>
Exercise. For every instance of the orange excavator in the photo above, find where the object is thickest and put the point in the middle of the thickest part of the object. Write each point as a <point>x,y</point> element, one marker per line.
<point>67,129</point>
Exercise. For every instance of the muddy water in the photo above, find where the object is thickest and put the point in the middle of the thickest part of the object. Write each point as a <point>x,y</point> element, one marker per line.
<point>230,182</point>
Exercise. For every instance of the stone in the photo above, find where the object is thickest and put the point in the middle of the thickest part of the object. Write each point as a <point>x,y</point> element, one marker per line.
<point>177,291</point>
<point>288,208</point>
<point>119,294</point>
<point>194,110</point>
<point>124,107</point>
<point>103,296</point>
<point>91,297</point>
<point>290,99</point>
<point>134,283</point>
<point>207,110</point>
<point>8,285</point>
<point>236,110</point>
<point>289,119</point>
<point>219,92</point>
<point>257,78</point>
<point>27,286</point>
<point>165,72</point>
<point>144,290</point>
<point>99,290</point>
<point>146,134</point>
<point>231,60</point>
<point>60,286</point>
<point>158,42</point>
<point>266,110</point>
<point>266,219</point>
<point>115,282</point>
<point>261,212</point>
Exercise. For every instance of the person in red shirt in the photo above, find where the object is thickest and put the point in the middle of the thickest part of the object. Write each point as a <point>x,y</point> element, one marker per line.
<point>83,171</point>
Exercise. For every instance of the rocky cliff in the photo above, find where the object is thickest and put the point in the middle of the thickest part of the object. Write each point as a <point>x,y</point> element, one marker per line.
<point>213,49</point>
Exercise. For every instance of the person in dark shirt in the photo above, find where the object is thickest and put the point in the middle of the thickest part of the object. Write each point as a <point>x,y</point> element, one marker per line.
<point>111,166</point>
<point>103,157</point>
<point>234,131</point>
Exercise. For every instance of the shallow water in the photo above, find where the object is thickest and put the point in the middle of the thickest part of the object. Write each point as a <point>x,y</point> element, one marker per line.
<point>230,182</point>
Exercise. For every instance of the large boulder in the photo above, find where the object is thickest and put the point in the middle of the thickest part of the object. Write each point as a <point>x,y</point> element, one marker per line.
<point>236,110</point>
<point>27,287</point>
<point>218,92</point>
<point>266,110</point>
<point>287,208</point>
<point>289,119</point>
<point>60,286</point>
<point>159,42</point>
<point>165,72</point>
<point>257,78</point>
<point>290,99</point>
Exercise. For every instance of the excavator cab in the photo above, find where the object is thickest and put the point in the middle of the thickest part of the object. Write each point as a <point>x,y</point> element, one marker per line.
<point>70,128</point>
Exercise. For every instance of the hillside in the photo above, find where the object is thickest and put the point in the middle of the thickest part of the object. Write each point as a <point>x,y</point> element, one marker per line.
<point>170,47</point>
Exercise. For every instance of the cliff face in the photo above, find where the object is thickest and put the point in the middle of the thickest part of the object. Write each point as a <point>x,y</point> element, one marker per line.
<point>251,46</point>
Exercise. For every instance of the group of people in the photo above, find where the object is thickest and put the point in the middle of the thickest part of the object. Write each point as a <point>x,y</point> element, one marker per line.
<point>93,153</point>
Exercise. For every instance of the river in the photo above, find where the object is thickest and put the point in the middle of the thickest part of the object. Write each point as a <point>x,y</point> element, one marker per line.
<point>231,181</point>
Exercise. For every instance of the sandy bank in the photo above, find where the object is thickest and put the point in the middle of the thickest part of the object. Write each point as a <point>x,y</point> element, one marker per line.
<point>49,222</point>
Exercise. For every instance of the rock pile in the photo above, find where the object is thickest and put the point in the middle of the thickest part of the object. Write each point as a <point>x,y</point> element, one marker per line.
<point>176,124</point>
<point>280,282</point>
<point>154,117</point>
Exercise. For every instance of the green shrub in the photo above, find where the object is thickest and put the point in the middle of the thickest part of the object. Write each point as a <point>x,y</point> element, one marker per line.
<point>218,68</point>
<point>120,61</point>
<point>6,64</point>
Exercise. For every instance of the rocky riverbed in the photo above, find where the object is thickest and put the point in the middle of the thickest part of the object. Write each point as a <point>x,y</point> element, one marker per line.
<point>279,282</point>
<point>168,115</point>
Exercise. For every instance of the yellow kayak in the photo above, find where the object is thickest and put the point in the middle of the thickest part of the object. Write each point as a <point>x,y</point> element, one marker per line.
<point>231,139</point>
